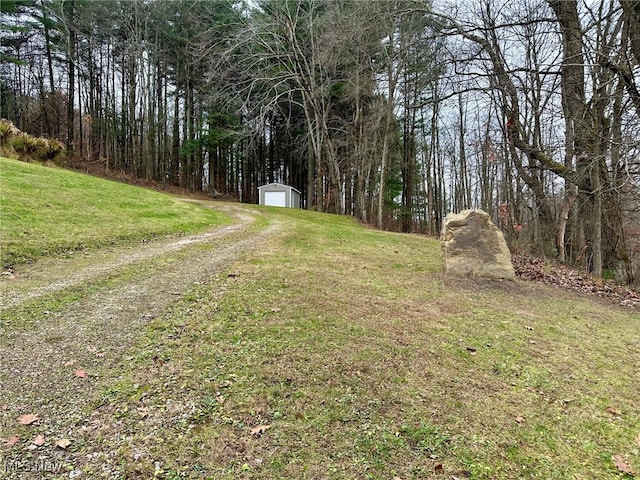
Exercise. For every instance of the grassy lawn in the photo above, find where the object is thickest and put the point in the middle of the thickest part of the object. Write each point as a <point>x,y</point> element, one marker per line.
<point>48,210</point>
<point>340,352</point>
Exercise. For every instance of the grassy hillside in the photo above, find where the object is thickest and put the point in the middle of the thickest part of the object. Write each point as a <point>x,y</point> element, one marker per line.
<point>47,210</point>
<point>340,352</point>
<point>332,351</point>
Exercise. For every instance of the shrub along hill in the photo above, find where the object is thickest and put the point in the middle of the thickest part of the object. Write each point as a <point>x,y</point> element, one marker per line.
<point>46,210</point>
<point>17,144</point>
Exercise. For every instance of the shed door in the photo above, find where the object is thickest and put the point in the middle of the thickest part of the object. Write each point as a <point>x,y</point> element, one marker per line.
<point>275,199</point>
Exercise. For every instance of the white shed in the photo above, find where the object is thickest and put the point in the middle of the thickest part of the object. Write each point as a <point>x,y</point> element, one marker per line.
<point>279,195</point>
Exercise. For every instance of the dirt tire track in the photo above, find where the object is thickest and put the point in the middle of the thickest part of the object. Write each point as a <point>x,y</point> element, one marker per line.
<point>38,361</point>
<point>58,274</point>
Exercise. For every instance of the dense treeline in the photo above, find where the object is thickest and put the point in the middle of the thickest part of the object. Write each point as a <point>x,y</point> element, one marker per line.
<point>395,112</point>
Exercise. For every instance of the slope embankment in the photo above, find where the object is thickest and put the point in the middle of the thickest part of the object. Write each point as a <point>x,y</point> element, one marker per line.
<point>282,344</point>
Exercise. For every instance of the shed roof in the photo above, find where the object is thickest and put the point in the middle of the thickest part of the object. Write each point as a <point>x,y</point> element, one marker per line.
<point>276,184</point>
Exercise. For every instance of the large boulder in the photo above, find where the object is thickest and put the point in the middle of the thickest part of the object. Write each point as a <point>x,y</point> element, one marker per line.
<point>473,246</point>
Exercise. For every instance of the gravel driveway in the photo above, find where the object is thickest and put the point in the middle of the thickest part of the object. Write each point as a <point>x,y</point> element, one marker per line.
<point>67,323</point>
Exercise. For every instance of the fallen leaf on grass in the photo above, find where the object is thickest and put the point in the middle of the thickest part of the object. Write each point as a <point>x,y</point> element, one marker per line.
<point>28,419</point>
<point>464,474</point>
<point>11,441</point>
<point>39,441</point>
<point>63,443</point>
<point>438,468</point>
<point>159,361</point>
<point>80,373</point>
<point>259,430</point>
<point>621,465</point>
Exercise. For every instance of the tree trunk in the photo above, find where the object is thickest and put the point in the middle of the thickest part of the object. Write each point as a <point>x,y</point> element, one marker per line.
<point>577,120</point>
<point>71,61</point>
